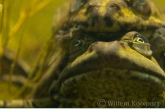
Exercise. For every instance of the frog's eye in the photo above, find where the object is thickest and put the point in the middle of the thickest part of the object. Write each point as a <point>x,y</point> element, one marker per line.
<point>141,44</point>
<point>76,4</point>
<point>141,6</point>
<point>77,44</point>
<point>140,38</point>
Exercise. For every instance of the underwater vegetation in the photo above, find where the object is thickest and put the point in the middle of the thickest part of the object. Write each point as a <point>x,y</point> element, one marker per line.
<point>26,25</point>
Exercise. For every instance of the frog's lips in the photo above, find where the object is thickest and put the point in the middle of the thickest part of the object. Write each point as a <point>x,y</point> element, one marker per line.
<point>116,55</point>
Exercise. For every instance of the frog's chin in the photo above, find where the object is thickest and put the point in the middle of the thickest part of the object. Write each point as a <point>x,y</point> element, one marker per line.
<point>113,76</point>
<point>113,85</point>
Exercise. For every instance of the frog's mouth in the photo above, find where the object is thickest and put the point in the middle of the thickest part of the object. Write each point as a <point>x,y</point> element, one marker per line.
<point>116,65</point>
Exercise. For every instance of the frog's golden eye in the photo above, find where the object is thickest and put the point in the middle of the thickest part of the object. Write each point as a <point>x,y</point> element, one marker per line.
<point>141,44</point>
<point>140,38</point>
<point>77,44</point>
<point>76,4</point>
<point>141,6</point>
<point>138,42</point>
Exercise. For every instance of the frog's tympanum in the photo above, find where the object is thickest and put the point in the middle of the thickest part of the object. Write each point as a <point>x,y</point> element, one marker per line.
<point>110,53</point>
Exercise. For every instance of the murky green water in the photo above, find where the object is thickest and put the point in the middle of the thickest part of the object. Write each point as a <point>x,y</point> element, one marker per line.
<point>28,24</point>
<point>35,29</point>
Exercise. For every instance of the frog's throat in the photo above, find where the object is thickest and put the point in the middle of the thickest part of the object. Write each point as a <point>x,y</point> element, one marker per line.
<point>111,85</point>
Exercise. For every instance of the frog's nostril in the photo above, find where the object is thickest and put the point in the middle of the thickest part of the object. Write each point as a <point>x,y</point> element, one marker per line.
<point>114,7</point>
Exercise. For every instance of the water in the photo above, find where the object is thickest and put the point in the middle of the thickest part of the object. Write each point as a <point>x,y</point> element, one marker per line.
<point>26,27</point>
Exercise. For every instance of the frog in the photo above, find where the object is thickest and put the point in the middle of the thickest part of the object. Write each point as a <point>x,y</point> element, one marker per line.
<point>105,58</point>
<point>112,18</point>
<point>81,84</point>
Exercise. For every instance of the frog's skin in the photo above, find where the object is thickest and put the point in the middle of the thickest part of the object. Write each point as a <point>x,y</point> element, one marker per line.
<point>113,18</point>
<point>97,61</point>
<point>158,42</point>
<point>115,15</point>
<point>122,74</point>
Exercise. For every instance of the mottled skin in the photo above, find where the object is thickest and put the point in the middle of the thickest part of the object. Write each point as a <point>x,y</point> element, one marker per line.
<point>112,19</point>
<point>158,42</point>
<point>116,15</point>
<point>95,60</point>
<point>82,84</point>
<point>104,20</point>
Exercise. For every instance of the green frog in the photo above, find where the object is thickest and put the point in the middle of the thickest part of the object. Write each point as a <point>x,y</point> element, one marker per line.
<point>104,57</point>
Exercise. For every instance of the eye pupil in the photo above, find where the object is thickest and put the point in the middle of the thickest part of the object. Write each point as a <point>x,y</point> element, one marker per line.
<point>140,40</point>
<point>77,44</point>
<point>141,44</point>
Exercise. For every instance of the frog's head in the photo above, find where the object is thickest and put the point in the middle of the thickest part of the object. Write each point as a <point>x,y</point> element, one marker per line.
<point>115,15</point>
<point>121,70</point>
